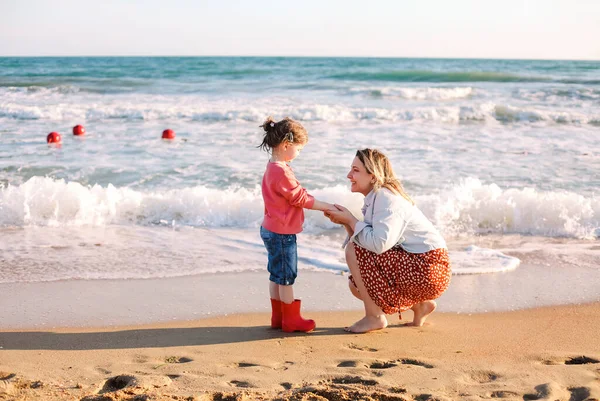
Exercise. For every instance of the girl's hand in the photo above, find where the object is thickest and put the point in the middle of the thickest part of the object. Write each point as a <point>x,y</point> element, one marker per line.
<point>341,215</point>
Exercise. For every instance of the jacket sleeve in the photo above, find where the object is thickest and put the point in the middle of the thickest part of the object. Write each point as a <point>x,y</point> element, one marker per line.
<point>289,187</point>
<point>386,230</point>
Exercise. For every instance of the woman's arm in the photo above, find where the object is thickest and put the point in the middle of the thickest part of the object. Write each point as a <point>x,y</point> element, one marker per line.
<point>349,230</point>
<point>386,229</point>
<point>341,215</point>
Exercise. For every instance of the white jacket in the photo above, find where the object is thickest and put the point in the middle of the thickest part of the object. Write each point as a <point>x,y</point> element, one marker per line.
<point>391,220</point>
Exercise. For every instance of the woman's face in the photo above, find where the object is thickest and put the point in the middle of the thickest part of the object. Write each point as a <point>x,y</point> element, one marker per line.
<point>360,180</point>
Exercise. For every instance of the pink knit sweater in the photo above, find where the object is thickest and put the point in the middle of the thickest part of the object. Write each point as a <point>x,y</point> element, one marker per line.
<point>285,200</point>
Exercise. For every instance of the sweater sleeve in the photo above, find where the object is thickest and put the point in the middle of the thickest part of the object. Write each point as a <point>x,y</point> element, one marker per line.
<point>289,187</point>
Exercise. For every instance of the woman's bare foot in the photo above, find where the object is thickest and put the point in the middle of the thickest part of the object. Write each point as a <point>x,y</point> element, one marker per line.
<point>368,323</point>
<point>421,311</point>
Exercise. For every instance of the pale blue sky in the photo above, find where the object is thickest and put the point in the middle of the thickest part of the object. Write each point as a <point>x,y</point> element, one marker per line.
<point>546,29</point>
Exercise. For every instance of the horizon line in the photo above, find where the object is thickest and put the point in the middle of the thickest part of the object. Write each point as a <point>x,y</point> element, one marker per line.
<point>302,56</point>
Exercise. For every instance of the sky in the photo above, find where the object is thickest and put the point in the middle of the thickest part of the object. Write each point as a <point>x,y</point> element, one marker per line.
<point>521,29</point>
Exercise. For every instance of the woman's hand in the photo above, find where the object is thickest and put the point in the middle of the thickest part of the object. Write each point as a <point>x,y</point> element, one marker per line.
<point>341,215</point>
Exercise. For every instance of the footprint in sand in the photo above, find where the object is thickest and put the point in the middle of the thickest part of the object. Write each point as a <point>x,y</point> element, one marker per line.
<point>576,360</point>
<point>96,398</point>
<point>484,377</point>
<point>131,383</point>
<point>425,397</point>
<point>383,365</point>
<point>581,360</point>
<point>241,384</point>
<point>408,361</point>
<point>362,348</point>
<point>504,394</point>
<point>554,391</point>
<point>175,359</point>
<point>6,386</point>
<point>245,365</point>
<point>347,364</point>
<point>119,383</point>
<point>354,380</point>
<point>579,393</point>
<point>283,366</point>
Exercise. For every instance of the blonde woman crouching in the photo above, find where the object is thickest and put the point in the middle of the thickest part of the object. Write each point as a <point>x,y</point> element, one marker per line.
<point>397,259</point>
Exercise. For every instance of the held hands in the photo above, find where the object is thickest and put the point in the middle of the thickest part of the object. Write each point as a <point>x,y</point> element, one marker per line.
<point>340,215</point>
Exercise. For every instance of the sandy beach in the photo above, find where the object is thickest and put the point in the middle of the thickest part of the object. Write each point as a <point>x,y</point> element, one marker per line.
<point>131,267</point>
<point>550,353</point>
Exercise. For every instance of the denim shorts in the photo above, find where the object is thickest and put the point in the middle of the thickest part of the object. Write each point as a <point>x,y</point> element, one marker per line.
<point>283,256</point>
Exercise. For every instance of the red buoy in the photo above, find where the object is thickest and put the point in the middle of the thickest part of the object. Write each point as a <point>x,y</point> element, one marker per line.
<point>168,134</point>
<point>78,130</point>
<point>53,137</point>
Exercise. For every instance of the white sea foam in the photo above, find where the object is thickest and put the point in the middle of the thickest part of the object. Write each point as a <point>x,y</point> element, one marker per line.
<point>476,260</point>
<point>469,207</point>
<point>558,94</point>
<point>474,207</point>
<point>115,252</point>
<point>482,112</point>
<point>198,109</point>
<point>416,93</point>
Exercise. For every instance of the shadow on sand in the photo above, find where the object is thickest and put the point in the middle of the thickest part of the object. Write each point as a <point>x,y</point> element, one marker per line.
<point>148,338</point>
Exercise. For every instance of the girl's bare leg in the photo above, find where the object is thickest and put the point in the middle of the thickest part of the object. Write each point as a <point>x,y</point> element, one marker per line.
<point>286,293</point>
<point>374,317</point>
<point>274,290</point>
<point>421,311</point>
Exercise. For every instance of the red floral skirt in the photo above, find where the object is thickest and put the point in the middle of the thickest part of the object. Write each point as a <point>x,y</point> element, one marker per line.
<point>396,279</point>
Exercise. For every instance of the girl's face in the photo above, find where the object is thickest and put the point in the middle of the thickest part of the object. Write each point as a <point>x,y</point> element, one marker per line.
<point>289,151</point>
<point>360,180</point>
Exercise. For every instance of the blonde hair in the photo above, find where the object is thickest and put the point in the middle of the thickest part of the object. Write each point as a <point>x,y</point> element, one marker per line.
<point>277,132</point>
<point>377,164</point>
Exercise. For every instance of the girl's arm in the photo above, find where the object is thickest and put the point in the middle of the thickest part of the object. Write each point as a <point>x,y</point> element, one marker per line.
<point>297,196</point>
<point>320,205</point>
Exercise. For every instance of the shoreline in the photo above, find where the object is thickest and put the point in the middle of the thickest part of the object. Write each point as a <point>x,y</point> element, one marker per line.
<point>543,353</point>
<point>113,303</point>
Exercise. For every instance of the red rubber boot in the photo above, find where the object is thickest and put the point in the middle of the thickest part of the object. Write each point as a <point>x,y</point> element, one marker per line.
<point>292,321</point>
<point>275,313</point>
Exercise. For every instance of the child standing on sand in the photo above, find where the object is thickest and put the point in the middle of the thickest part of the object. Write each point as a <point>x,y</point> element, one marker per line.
<point>285,201</point>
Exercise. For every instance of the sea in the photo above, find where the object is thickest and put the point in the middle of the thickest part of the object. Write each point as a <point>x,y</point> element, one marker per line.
<point>503,156</point>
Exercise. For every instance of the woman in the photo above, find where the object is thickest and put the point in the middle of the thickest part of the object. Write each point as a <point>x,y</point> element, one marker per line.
<point>397,259</point>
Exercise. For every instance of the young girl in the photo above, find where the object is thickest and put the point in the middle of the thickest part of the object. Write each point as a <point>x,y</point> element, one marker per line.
<point>285,201</point>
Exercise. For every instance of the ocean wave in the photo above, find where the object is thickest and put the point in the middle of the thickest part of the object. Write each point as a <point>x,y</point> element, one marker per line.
<point>47,89</point>
<point>415,93</point>
<point>557,94</point>
<point>470,207</point>
<point>434,76</point>
<point>455,76</point>
<point>210,113</point>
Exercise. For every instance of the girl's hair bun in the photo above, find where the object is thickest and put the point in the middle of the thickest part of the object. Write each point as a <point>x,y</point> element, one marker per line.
<point>285,130</point>
<point>269,124</point>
